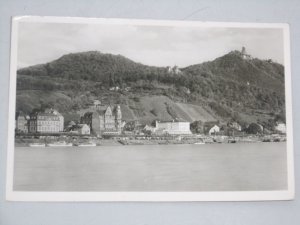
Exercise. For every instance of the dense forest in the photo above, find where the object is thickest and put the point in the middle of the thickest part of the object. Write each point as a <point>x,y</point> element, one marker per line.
<point>229,87</point>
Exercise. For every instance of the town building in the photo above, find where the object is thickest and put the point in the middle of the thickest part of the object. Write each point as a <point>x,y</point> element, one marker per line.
<point>172,127</point>
<point>211,127</point>
<point>103,119</point>
<point>81,129</point>
<point>235,126</point>
<point>22,123</point>
<point>148,129</point>
<point>49,121</point>
<point>281,127</point>
<point>214,130</point>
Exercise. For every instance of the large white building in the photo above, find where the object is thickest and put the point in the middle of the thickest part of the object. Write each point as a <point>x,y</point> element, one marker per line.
<point>173,127</point>
<point>49,121</point>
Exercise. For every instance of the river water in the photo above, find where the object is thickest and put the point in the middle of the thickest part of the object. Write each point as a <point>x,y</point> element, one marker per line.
<point>210,167</point>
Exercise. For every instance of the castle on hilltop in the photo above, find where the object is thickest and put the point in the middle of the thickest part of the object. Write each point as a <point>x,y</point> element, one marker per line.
<point>244,54</point>
<point>174,69</point>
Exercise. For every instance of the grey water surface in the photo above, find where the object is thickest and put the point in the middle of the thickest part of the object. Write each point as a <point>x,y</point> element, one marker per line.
<point>210,167</point>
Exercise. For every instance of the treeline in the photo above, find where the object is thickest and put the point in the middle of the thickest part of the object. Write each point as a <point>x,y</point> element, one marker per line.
<point>227,83</point>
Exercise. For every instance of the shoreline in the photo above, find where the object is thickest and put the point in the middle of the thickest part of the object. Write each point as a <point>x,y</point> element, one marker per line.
<point>93,142</point>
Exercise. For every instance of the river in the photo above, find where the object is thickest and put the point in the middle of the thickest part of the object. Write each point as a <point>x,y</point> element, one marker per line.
<point>210,167</point>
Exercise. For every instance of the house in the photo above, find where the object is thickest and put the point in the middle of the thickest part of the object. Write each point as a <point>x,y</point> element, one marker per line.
<point>22,123</point>
<point>235,126</point>
<point>172,127</point>
<point>49,121</point>
<point>103,120</point>
<point>82,129</point>
<point>211,127</point>
<point>280,127</point>
<point>214,130</point>
<point>148,129</point>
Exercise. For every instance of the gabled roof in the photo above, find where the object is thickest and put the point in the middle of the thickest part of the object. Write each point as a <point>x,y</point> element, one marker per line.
<point>46,114</point>
<point>172,121</point>
<point>79,125</point>
<point>209,125</point>
<point>101,110</point>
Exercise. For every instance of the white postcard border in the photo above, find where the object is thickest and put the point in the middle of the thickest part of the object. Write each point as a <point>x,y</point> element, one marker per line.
<point>147,196</point>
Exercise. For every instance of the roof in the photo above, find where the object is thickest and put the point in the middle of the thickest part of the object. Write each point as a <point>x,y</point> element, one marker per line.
<point>101,110</point>
<point>209,125</point>
<point>72,123</point>
<point>21,115</point>
<point>46,114</point>
<point>172,121</point>
<point>79,125</point>
<point>89,114</point>
<point>52,111</point>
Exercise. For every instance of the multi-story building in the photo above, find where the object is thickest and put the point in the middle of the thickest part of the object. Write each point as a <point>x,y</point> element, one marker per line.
<point>49,121</point>
<point>104,119</point>
<point>172,127</point>
<point>22,123</point>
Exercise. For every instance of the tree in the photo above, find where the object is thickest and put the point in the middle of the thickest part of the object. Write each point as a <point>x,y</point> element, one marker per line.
<point>254,128</point>
<point>197,127</point>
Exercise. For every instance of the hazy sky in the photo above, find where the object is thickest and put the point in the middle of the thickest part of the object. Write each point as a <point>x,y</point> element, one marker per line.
<point>151,45</point>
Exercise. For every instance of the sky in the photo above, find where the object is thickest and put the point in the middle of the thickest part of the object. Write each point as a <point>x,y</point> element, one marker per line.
<point>151,45</point>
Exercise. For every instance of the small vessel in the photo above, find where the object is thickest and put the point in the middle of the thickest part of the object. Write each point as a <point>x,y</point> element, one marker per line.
<point>87,145</point>
<point>199,143</point>
<point>60,144</point>
<point>232,141</point>
<point>37,145</point>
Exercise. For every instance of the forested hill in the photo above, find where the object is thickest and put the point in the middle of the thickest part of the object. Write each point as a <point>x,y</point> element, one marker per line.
<point>229,87</point>
<point>93,66</point>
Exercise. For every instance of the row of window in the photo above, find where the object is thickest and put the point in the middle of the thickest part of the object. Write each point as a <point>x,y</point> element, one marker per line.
<point>48,122</point>
<point>46,128</point>
<point>48,117</point>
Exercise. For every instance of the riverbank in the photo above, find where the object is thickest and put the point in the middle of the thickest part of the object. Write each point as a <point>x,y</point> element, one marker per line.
<point>142,140</point>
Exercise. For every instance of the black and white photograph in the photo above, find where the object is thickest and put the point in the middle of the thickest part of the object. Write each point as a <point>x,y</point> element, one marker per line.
<point>149,110</point>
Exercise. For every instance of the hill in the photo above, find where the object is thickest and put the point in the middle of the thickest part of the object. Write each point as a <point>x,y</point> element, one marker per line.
<point>229,87</point>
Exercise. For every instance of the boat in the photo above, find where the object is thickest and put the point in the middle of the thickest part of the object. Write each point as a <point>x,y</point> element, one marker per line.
<point>199,143</point>
<point>37,145</point>
<point>60,144</point>
<point>87,145</point>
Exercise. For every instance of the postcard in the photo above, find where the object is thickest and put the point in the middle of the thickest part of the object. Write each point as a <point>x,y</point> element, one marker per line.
<point>149,110</point>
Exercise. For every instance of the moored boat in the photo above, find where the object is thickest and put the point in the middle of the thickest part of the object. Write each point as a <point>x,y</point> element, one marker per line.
<point>60,144</point>
<point>199,143</point>
<point>87,145</point>
<point>37,145</point>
